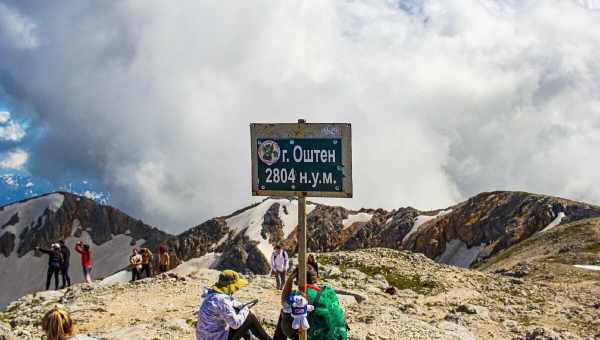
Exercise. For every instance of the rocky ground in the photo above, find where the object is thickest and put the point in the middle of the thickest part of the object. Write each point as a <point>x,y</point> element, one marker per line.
<point>427,301</point>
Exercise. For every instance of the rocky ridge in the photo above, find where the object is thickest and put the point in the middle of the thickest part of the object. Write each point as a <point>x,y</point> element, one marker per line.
<point>405,295</point>
<point>462,235</point>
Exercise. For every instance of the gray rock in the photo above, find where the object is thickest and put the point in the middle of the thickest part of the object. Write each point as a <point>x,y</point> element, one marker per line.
<point>543,334</point>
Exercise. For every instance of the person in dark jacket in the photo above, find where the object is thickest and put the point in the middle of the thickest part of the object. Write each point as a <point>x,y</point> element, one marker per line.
<point>54,263</point>
<point>64,270</point>
<point>312,261</point>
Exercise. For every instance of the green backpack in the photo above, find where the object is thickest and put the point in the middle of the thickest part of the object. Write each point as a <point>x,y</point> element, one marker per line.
<point>327,321</point>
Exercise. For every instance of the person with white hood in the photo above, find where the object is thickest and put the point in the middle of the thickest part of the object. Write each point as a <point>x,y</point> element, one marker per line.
<point>279,265</point>
<point>221,317</point>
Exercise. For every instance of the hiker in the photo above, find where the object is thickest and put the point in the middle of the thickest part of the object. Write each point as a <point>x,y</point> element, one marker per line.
<point>147,261</point>
<point>221,317</point>
<point>86,260</point>
<point>279,265</point>
<point>312,261</point>
<point>55,262</point>
<point>64,269</point>
<point>164,260</point>
<point>327,321</point>
<point>58,325</point>
<point>136,265</point>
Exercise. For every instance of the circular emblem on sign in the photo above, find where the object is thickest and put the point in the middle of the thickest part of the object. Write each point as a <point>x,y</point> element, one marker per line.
<point>269,152</point>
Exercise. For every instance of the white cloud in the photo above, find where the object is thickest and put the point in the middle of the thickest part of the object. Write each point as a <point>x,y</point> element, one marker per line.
<point>10,130</point>
<point>14,160</point>
<point>453,98</point>
<point>4,117</point>
<point>17,30</point>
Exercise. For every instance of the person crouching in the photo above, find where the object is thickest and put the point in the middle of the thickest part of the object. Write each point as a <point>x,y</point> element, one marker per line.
<point>221,317</point>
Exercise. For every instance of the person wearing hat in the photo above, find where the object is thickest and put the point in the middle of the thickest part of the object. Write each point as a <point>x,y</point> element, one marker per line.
<point>55,263</point>
<point>221,317</point>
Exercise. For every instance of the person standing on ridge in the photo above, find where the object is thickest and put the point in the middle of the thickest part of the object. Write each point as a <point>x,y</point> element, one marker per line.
<point>279,265</point>
<point>147,261</point>
<point>136,265</point>
<point>55,262</point>
<point>86,260</point>
<point>64,270</point>
<point>164,260</point>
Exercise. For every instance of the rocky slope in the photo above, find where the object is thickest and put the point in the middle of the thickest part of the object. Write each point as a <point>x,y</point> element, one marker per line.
<point>461,235</point>
<point>429,301</point>
<point>560,254</point>
<point>49,218</point>
<point>466,234</point>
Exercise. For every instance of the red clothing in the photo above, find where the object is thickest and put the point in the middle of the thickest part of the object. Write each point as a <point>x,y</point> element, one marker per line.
<point>86,256</point>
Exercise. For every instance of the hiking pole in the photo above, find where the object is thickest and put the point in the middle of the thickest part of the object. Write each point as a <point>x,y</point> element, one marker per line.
<point>302,251</point>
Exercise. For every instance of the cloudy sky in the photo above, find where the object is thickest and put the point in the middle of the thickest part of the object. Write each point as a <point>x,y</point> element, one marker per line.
<point>149,102</point>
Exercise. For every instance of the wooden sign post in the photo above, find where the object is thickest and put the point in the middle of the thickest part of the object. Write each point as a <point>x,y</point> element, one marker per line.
<point>301,160</point>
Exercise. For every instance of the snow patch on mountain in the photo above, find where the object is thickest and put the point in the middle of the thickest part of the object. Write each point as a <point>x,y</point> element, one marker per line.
<point>252,220</point>
<point>422,219</point>
<point>208,261</point>
<point>356,218</point>
<point>28,212</point>
<point>458,254</point>
<point>555,222</point>
<point>26,274</point>
<point>588,267</point>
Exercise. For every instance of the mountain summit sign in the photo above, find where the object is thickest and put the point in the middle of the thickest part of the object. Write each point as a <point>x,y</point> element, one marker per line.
<point>301,159</point>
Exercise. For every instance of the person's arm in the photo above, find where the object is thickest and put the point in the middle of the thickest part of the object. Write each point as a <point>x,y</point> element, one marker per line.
<point>272,262</point>
<point>78,248</point>
<point>234,319</point>
<point>45,251</point>
<point>287,288</point>
<point>286,261</point>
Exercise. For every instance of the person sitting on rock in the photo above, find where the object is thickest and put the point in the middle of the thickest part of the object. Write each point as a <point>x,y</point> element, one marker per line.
<point>135,260</point>
<point>58,325</point>
<point>327,320</point>
<point>221,317</point>
<point>55,263</point>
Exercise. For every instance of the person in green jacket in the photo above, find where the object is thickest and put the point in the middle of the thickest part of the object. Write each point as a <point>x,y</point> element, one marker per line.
<point>327,321</point>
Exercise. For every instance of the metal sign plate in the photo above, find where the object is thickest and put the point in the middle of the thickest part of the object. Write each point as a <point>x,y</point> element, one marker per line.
<point>302,159</point>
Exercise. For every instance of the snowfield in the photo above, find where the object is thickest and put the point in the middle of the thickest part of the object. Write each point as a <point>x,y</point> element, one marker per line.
<point>356,218</point>
<point>26,274</point>
<point>554,223</point>
<point>588,267</point>
<point>28,212</point>
<point>458,254</point>
<point>422,219</point>
<point>253,219</point>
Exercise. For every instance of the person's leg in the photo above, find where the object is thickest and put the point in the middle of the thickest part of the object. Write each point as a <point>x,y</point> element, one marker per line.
<point>277,280</point>
<point>88,275</point>
<point>63,274</point>
<point>280,280</point>
<point>278,331</point>
<point>68,277</point>
<point>251,324</point>
<point>48,277</point>
<point>56,272</point>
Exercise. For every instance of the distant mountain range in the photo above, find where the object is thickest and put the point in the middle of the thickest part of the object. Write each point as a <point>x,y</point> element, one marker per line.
<point>466,234</point>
